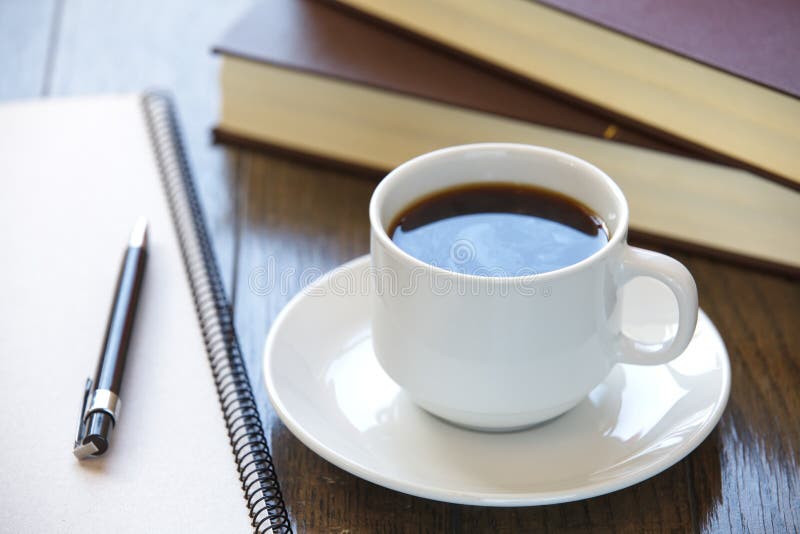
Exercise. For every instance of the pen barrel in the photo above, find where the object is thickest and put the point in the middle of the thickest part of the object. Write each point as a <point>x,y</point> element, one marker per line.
<point>111,365</point>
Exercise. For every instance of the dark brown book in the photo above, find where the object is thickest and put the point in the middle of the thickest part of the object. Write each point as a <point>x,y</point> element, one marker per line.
<point>757,40</point>
<point>315,37</point>
<point>721,80</point>
<point>308,80</point>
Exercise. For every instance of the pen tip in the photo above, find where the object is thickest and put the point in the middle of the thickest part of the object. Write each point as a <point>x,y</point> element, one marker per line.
<point>139,234</point>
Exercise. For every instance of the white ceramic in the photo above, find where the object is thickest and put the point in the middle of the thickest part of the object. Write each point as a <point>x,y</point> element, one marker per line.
<point>327,387</point>
<point>501,353</point>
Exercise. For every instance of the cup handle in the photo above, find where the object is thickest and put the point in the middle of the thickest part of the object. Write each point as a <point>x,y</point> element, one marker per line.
<point>640,262</point>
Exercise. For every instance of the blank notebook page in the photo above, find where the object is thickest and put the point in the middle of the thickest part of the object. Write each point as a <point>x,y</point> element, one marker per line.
<point>76,174</point>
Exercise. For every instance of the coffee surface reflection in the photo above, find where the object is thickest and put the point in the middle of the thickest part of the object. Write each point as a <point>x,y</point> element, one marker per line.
<point>499,229</point>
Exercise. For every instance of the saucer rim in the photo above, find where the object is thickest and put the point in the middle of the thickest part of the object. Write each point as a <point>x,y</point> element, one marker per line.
<point>469,497</point>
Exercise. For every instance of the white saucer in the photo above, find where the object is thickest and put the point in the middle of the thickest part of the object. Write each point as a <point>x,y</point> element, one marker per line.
<point>327,387</point>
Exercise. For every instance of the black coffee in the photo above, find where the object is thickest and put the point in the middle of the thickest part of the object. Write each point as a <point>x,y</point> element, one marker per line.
<point>499,230</point>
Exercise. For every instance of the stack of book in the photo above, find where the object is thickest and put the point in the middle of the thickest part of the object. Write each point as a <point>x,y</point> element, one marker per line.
<point>694,112</point>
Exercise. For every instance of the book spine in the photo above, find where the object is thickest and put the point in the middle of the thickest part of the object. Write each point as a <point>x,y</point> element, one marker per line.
<point>681,144</point>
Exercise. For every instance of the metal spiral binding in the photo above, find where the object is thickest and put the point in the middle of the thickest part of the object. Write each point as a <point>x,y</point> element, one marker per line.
<point>254,462</point>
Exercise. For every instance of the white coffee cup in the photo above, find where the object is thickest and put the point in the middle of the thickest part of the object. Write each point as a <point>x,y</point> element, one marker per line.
<point>501,353</point>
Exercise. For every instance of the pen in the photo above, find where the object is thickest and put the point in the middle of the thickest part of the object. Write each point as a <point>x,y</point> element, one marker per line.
<point>101,401</point>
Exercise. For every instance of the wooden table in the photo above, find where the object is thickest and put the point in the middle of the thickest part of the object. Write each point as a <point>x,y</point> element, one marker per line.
<point>743,478</point>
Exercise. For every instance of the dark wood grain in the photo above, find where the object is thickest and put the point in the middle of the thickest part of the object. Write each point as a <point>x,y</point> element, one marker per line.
<point>131,46</point>
<point>746,476</point>
<point>295,224</point>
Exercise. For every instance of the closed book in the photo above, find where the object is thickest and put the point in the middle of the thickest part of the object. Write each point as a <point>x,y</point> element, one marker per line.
<point>722,80</point>
<point>312,37</point>
<point>307,79</point>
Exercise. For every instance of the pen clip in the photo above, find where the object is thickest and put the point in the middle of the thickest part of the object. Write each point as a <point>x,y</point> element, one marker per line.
<point>80,449</point>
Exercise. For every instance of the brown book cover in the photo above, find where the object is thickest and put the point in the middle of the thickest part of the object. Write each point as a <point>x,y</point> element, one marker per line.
<point>316,37</point>
<point>758,47</point>
<point>757,40</point>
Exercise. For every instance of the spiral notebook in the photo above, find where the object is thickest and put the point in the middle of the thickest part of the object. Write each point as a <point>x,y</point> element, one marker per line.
<point>76,174</point>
